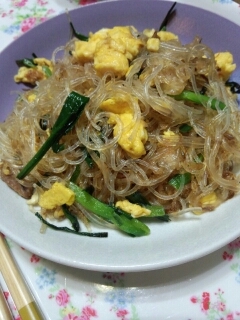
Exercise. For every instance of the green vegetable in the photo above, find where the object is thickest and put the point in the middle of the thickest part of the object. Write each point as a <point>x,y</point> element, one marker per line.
<point>29,63</point>
<point>71,111</point>
<point>185,128</point>
<point>88,159</point>
<point>138,198</point>
<point>47,71</point>
<point>66,229</point>
<point>76,34</point>
<point>178,179</point>
<point>113,215</point>
<point>26,62</point>
<point>163,26</point>
<point>156,211</point>
<point>75,174</point>
<point>199,99</point>
<point>71,217</point>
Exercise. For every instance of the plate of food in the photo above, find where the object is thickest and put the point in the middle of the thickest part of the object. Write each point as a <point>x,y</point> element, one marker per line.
<point>119,136</point>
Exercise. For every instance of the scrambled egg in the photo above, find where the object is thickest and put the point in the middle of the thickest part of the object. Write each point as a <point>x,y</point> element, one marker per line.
<point>55,197</point>
<point>166,36</point>
<point>155,38</point>
<point>110,50</point>
<point>34,74</point>
<point>169,133</point>
<point>225,65</point>
<point>153,44</point>
<point>134,135</point>
<point>135,210</point>
<point>209,200</point>
<point>31,97</point>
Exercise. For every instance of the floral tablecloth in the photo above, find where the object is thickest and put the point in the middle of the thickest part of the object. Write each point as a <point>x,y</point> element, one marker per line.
<point>207,288</point>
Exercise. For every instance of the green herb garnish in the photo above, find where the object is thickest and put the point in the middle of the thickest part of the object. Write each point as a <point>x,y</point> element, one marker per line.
<point>178,179</point>
<point>79,36</point>
<point>70,113</point>
<point>75,174</point>
<point>163,26</point>
<point>66,229</point>
<point>71,217</point>
<point>200,99</point>
<point>185,128</point>
<point>121,219</point>
<point>156,211</point>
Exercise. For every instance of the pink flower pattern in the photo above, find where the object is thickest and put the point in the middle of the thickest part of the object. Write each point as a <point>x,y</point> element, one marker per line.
<point>34,258</point>
<point>62,298</point>
<point>214,305</point>
<point>209,302</point>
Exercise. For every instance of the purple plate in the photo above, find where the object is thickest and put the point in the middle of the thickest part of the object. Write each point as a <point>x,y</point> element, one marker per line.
<point>169,244</point>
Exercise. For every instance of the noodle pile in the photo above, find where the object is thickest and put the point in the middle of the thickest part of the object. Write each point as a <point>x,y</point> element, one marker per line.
<point>209,151</point>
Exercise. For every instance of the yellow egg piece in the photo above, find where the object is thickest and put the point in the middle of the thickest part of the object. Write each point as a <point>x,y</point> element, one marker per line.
<point>58,195</point>
<point>133,135</point>
<point>225,65</point>
<point>110,50</point>
<point>135,210</point>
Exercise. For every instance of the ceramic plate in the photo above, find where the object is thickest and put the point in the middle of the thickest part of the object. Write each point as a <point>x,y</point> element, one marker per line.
<point>169,243</point>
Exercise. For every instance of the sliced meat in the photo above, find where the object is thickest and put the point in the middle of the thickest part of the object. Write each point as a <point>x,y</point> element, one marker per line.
<point>12,182</point>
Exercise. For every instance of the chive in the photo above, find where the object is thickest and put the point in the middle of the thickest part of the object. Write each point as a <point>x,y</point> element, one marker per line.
<point>89,159</point>
<point>138,198</point>
<point>79,36</point>
<point>124,222</point>
<point>71,217</point>
<point>199,99</point>
<point>46,70</point>
<point>75,174</point>
<point>177,180</point>
<point>163,26</point>
<point>29,63</point>
<point>185,128</point>
<point>71,111</point>
<point>66,229</point>
<point>164,218</point>
<point>157,211</point>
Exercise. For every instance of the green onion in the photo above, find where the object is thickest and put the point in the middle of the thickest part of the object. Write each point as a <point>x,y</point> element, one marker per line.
<point>71,111</point>
<point>163,26</point>
<point>79,36</point>
<point>185,128</point>
<point>47,71</point>
<point>75,174</point>
<point>138,198</point>
<point>199,99</point>
<point>66,229</point>
<point>71,217</point>
<point>113,215</point>
<point>178,179</point>
<point>157,211</point>
<point>29,63</point>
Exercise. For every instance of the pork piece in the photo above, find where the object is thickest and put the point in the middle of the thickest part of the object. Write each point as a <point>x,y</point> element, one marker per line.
<point>12,182</point>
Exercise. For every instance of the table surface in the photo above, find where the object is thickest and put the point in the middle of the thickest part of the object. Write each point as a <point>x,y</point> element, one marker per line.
<point>207,288</point>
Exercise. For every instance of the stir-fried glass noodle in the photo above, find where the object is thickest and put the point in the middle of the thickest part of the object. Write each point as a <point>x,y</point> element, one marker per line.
<point>160,121</point>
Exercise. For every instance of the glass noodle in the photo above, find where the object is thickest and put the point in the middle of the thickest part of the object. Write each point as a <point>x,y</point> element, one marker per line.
<point>115,175</point>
